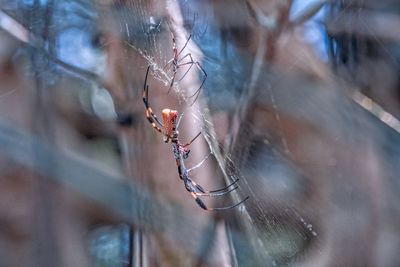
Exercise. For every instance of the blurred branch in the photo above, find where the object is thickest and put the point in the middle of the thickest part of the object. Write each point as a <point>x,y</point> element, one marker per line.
<point>17,30</point>
<point>374,25</point>
<point>14,28</point>
<point>79,175</point>
<point>265,21</point>
<point>375,109</point>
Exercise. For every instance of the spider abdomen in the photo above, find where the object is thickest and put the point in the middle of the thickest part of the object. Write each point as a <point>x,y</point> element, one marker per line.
<point>169,121</point>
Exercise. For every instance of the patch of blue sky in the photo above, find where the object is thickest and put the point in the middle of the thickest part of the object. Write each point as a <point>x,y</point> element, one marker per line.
<point>313,30</point>
<point>74,47</point>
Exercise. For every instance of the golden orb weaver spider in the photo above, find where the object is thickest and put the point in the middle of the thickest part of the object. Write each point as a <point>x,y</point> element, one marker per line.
<point>169,129</point>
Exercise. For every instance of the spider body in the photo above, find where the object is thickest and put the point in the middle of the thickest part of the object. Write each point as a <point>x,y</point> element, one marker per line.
<point>171,133</point>
<point>169,117</point>
<point>168,128</point>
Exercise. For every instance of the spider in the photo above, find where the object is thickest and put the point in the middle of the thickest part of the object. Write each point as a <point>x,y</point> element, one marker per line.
<point>177,63</point>
<point>168,128</point>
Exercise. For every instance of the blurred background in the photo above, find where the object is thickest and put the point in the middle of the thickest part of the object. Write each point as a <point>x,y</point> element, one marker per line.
<point>298,99</point>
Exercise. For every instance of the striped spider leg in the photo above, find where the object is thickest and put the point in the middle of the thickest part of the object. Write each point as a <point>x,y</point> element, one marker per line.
<point>169,128</point>
<point>186,60</point>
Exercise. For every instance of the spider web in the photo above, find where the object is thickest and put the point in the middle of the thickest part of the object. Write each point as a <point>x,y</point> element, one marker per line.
<point>282,126</point>
<point>277,232</point>
<point>280,225</point>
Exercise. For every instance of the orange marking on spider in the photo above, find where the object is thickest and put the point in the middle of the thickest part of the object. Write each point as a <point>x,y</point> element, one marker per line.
<point>169,117</point>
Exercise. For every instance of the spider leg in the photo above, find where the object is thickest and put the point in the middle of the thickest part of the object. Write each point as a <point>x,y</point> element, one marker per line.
<point>179,120</point>
<point>173,39</point>
<point>217,194</point>
<point>183,76</point>
<point>197,92</point>
<point>175,70</point>
<point>184,46</point>
<point>199,67</point>
<point>226,188</point>
<point>190,62</point>
<point>175,64</point>
<point>232,206</point>
<point>200,163</point>
<point>172,82</point>
<point>191,141</point>
<point>200,202</point>
<point>173,60</point>
<point>193,189</point>
<point>204,207</point>
<point>174,42</point>
<point>183,148</point>
<point>151,117</point>
<point>182,58</point>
